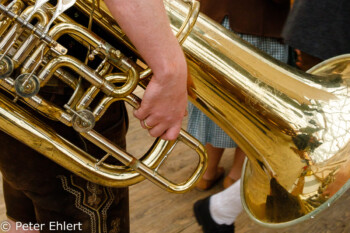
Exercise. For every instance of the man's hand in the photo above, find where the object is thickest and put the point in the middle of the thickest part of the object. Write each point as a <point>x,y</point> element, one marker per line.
<point>165,99</point>
<point>164,105</point>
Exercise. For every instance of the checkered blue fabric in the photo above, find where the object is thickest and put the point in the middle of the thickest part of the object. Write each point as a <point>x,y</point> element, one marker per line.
<point>204,129</point>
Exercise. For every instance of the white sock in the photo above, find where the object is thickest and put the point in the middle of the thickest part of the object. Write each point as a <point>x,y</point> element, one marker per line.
<point>226,205</point>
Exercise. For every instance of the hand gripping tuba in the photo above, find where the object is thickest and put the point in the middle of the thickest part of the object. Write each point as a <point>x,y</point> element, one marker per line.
<point>32,55</point>
<point>293,126</point>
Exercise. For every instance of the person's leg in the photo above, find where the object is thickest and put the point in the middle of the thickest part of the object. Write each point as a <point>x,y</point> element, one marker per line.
<point>214,156</point>
<point>213,172</point>
<point>78,205</point>
<point>236,169</point>
<point>217,213</point>
<point>215,141</point>
<point>226,205</point>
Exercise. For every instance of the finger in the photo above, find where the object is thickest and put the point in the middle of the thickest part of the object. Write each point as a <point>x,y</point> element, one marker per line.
<point>145,123</point>
<point>186,112</point>
<point>172,133</point>
<point>140,113</point>
<point>149,122</point>
<point>157,131</point>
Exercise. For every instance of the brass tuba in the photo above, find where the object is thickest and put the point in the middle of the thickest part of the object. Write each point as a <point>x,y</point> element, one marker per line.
<point>293,126</point>
<point>34,54</point>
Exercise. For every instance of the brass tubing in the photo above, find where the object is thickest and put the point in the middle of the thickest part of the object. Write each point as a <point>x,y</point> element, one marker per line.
<point>70,62</point>
<point>102,107</point>
<point>91,93</point>
<point>76,31</point>
<point>5,23</point>
<point>89,74</point>
<point>145,170</point>
<point>67,78</point>
<point>28,26</point>
<point>36,102</point>
<point>20,125</point>
<point>189,22</point>
<point>101,46</point>
<point>8,38</point>
<point>29,44</point>
<point>16,29</point>
<point>61,29</point>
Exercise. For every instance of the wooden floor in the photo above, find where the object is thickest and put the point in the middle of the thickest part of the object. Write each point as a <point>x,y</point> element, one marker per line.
<point>156,211</point>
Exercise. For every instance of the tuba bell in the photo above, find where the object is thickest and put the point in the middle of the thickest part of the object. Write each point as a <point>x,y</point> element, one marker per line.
<point>293,126</point>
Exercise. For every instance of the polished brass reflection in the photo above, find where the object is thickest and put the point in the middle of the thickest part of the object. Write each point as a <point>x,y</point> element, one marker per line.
<point>31,57</point>
<point>293,126</point>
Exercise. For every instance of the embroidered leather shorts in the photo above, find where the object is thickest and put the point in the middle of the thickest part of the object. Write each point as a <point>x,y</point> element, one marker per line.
<point>38,191</point>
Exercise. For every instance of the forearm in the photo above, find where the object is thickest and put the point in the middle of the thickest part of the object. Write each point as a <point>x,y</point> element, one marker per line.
<point>146,24</point>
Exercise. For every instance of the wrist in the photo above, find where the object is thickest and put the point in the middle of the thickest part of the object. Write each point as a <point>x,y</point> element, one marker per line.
<point>171,67</point>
